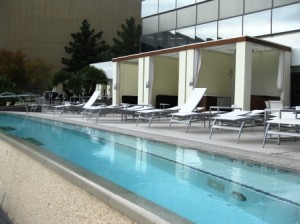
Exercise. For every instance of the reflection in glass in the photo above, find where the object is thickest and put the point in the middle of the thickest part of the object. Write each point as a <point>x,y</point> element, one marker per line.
<point>166,5</point>
<point>286,18</point>
<point>149,7</point>
<point>181,3</point>
<point>186,17</point>
<point>150,25</point>
<point>230,27</point>
<point>148,43</point>
<point>229,8</point>
<point>283,2</point>
<point>185,36</point>
<point>167,21</point>
<point>256,5</point>
<point>206,32</point>
<point>262,18</point>
<point>202,9</point>
<point>166,39</point>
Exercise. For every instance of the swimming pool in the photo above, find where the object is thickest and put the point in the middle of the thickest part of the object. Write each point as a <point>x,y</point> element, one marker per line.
<point>200,187</point>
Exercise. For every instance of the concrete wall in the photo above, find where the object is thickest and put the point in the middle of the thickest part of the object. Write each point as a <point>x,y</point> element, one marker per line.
<point>31,193</point>
<point>42,28</point>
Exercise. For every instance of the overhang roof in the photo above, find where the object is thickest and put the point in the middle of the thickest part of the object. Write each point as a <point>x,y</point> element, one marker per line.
<point>224,45</point>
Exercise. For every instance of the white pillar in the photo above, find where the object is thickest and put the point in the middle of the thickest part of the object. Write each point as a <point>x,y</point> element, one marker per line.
<point>243,73</point>
<point>182,78</point>
<point>190,62</point>
<point>116,83</point>
<point>287,79</point>
<point>141,80</point>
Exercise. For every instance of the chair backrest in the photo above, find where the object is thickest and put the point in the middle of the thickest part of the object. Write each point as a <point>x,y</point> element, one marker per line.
<point>193,100</point>
<point>275,104</point>
<point>92,100</point>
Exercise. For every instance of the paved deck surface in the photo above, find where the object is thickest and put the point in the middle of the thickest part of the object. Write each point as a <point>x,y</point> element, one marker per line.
<point>285,156</point>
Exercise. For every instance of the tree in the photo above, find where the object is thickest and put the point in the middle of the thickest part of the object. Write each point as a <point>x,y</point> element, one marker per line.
<point>129,39</point>
<point>93,76</point>
<point>85,49</point>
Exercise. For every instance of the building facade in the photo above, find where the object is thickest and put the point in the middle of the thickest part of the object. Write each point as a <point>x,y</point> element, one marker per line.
<point>171,23</point>
<point>41,29</point>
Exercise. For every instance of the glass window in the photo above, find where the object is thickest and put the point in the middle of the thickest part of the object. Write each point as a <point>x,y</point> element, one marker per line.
<point>166,5</point>
<point>230,27</point>
<point>149,7</point>
<point>283,2</point>
<point>186,17</point>
<point>257,5</point>
<point>150,25</point>
<point>202,9</point>
<point>185,36</point>
<point>286,18</point>
<point>206,32</point>
<point>167,21</point>
<point>148,42</point>
<point>181,3</point>
<point>166,39</point>
<point>230,8</point>
<point>262,18</point>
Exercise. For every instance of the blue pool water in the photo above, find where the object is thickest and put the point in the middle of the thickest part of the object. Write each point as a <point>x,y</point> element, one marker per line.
<point>199,187</point>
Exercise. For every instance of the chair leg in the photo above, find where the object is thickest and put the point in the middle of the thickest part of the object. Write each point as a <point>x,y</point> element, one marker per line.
<point>265,135</point>
<point>212,128</point>
<point>170,122</point>
<point>240,132</point>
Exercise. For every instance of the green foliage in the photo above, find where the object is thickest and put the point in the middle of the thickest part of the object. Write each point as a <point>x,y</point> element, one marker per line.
<point>85,49</point>
<point>129,39</point>
<point>82,82</point>
<point>18,74</point>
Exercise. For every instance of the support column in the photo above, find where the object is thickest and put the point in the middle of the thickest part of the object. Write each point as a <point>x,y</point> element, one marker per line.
<point>243,73</point>
<point>116,83</point>
<point>287,79</point>
<point>141,78</point>
<point>182,77</point>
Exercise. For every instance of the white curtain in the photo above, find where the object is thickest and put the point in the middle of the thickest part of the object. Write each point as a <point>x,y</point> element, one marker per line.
<point>280,76</point>
<point>151,78</point>
<point>197,66</point>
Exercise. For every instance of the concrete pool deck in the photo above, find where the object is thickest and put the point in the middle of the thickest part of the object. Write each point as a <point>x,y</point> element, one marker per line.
<point>285,156</point>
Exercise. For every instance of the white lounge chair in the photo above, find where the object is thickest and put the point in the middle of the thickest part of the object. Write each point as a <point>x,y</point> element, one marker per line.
<point>237,120</point>
<point>186,114</point>
<point>283,126</point>
<point>152,114</point>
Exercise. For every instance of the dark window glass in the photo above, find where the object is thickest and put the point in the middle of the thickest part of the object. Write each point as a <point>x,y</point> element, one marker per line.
<point>185,35</point>
<point>186,17</point>
<point>206,32</point>
<point>202,9</point>
<point>166,5</point>
<point>286,18</point>
<point>150,25</point>
<point>284,2</point>
<point>257,5</point>
<point>166,39</point>
<point>262,18</point>
<point>167,21</point>
<point>230,8</point>
<point>149,7</point>
<point>230,27</point>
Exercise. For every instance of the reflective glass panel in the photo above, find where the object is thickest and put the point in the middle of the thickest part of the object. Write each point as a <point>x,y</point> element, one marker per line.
<point>186,17</point>
<point>256,5</point>
<point>149,7</point>
<point>150,25</point>
<point>206,32</point>
<point>229,8</point>
<point>284,2</point>
<point>185,36</point>
<point>181,3</point>
<point>166,5</point>
<point>230,27</point>
<point>166,39</point>
<point>167,21</point>
<point>286,18</point>
<point>262,18</point>
<point>202,9</point>
<point>148,42</point>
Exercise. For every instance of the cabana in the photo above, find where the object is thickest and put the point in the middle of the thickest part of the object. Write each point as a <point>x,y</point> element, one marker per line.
<point>243,71</point>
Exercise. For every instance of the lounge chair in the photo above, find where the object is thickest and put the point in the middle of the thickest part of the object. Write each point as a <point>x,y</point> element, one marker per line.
<point>186,114</point>
<point>133,110</point>
<point>152,114</point>
<point>237,121</point>
<point>283,126</point>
